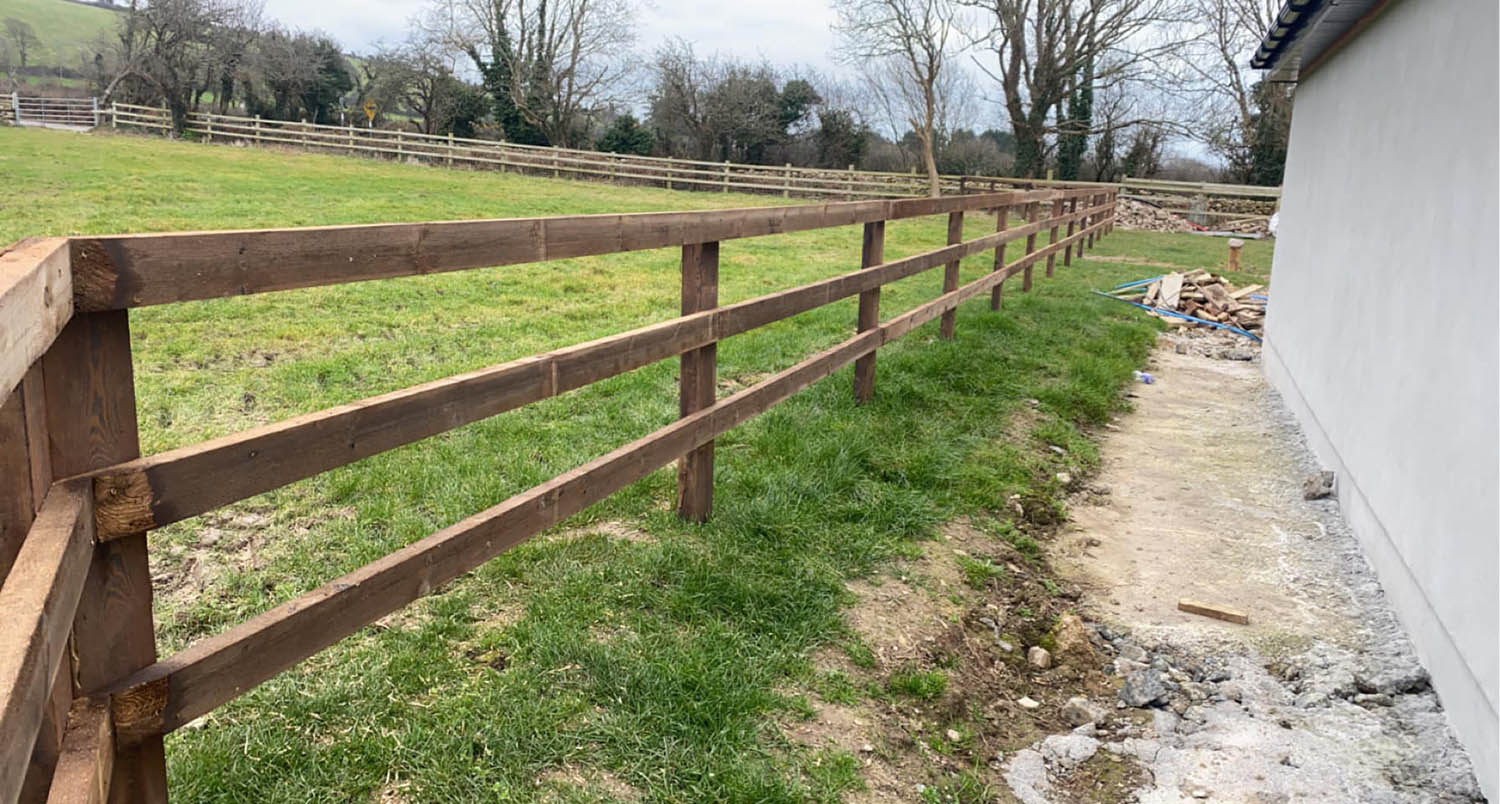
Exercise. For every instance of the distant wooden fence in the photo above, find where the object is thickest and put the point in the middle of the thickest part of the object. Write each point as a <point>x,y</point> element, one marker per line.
<point>84,699</point>
<point>679,174</point>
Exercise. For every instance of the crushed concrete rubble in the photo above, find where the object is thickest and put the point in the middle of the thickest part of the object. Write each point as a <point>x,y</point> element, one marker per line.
<point>1322,699</point>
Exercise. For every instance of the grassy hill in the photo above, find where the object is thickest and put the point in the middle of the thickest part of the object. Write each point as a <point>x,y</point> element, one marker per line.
<point>67,29</point>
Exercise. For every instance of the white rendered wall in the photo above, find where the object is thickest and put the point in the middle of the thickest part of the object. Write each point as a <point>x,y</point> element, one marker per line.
<point>1382,329</point>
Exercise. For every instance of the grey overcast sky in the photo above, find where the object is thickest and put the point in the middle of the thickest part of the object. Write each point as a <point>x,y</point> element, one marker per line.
<point>784,32</point>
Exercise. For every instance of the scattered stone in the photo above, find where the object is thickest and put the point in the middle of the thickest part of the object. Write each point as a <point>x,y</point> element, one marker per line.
<point>1232,691</point>
<point>1064,478</point>
<point>867,748</point>
<point>1200,793</point>
<point>1143,688</point>
<point>1071,641</point>
<point>1069,750</point>
<point>1134,653</point>
<point>1318,486</point>
<point>1059,450</point>
<point>1038,657</point>
<point>1026,702</point>
<point>1101,489</point>
<point>1080,711</point>
<point>1372,700</point>
<point>1005,647</point>
<point>953,735</point>
<point>1164,722</point>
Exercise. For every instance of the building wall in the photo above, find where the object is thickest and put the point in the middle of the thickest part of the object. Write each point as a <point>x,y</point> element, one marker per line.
<point>1382,330</point>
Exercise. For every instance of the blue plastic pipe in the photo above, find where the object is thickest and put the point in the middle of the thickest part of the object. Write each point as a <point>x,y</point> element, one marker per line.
<point>1175,314</point>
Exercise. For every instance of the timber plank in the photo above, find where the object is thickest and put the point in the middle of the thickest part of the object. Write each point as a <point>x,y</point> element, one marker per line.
<point>122,271</point>
<point>39,598</point>
<point>36,301</point>
<point>88,754</point>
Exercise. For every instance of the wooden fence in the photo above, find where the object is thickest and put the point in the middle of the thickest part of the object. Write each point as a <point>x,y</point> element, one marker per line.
<point>679,174</point>
<point>85,700</point>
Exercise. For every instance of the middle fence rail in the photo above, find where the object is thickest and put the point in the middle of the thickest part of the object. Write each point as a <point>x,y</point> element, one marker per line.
<point>79,575</point>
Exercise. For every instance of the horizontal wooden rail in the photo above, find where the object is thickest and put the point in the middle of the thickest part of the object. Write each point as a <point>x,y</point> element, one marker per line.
<point>209,673</point>
<point>38,600</point>
<point>161,489</point>
<point>125,271</point>
<point>36,301</point>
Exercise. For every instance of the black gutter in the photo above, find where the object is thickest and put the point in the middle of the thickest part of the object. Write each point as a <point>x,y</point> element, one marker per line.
<point>1290,22</point>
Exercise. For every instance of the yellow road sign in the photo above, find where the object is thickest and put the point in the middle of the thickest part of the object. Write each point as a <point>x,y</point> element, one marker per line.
<point>370,108</point>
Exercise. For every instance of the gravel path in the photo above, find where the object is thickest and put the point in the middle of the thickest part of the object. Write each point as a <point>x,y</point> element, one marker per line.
<point>1319,698</point>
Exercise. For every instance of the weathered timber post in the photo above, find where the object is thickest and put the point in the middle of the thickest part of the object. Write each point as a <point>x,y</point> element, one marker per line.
<point>1093,217</point>
<point>1002,222</point>
<point>1083,223</point>
<point>1235,244</point>
<point>699,378</point>
<point>726,175</point>
<point>96,111</point>
<point>89,366</point>
<point>114,115</point>
<point>256,137</point>
<point>1057,211</point>
<point>786,181</point>
<point>872,253</point>
<point>850,188</point>
<point>25,473</point>
<point>950,274</point>
<point>15,107</point>
<point>1072,225</point>
<point>400,138</point>
<point>209,127</point>
<point>1033,214</point>
<point>450,149</point>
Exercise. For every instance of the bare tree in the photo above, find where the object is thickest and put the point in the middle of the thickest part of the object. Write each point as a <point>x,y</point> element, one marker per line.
<point>23,37</point>
<point>550,65</point>
<point>166,47</point>
<point>1046,53</point>
<point>1240,119</point>
<point>909,41</point>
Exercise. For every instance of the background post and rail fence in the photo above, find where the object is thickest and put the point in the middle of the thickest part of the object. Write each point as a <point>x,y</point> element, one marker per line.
<point>85,700</point>
<point>1202,202</point>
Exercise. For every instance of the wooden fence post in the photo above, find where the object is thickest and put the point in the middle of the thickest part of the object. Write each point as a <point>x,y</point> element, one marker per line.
<point>699,380</point>
<point>1083,223</point>
<point>1093,216</point>
<point>400,138</point>
<point>1057,211</point>
<point>950,274</point>
<point>851,183</point>
<point>1002,222</point>
<point>114,115</point>
<point>726,175</point>
<point>209,123</point>
<point>1072,207</point>
<point>15,106</point>
<point>25,474</point>
<point>786,181</point>
<point>872,253</point>
<point>90,366</point>
<point>450,149</point>
<point>257,130</point>
<point>1033,214</point>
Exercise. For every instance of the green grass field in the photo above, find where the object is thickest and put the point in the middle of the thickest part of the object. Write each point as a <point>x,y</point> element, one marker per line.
<point>631,645</point>
<point>68,31</point>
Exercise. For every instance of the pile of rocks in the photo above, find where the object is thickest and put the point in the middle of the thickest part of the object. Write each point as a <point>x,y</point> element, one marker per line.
<point>1201,295</point>
<point>1131,214</point>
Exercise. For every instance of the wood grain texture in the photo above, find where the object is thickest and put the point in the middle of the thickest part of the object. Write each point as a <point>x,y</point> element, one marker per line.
<point>124,271</point>
<point>88,754</point>
<point>39,598</point>
<point>698,380</point>
<point>1033,210</point>
<point>36,301</point>
<point>872,253</point>
<point>950,274</point>
<point>209,673</point>
<point>89,365</point>
<point>1068,252</point>
<point>1057,213</point>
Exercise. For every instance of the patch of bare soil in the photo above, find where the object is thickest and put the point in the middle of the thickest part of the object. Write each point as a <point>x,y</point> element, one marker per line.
<point>968,608</point>
<point>609,528</point>
<point>559,783</point>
